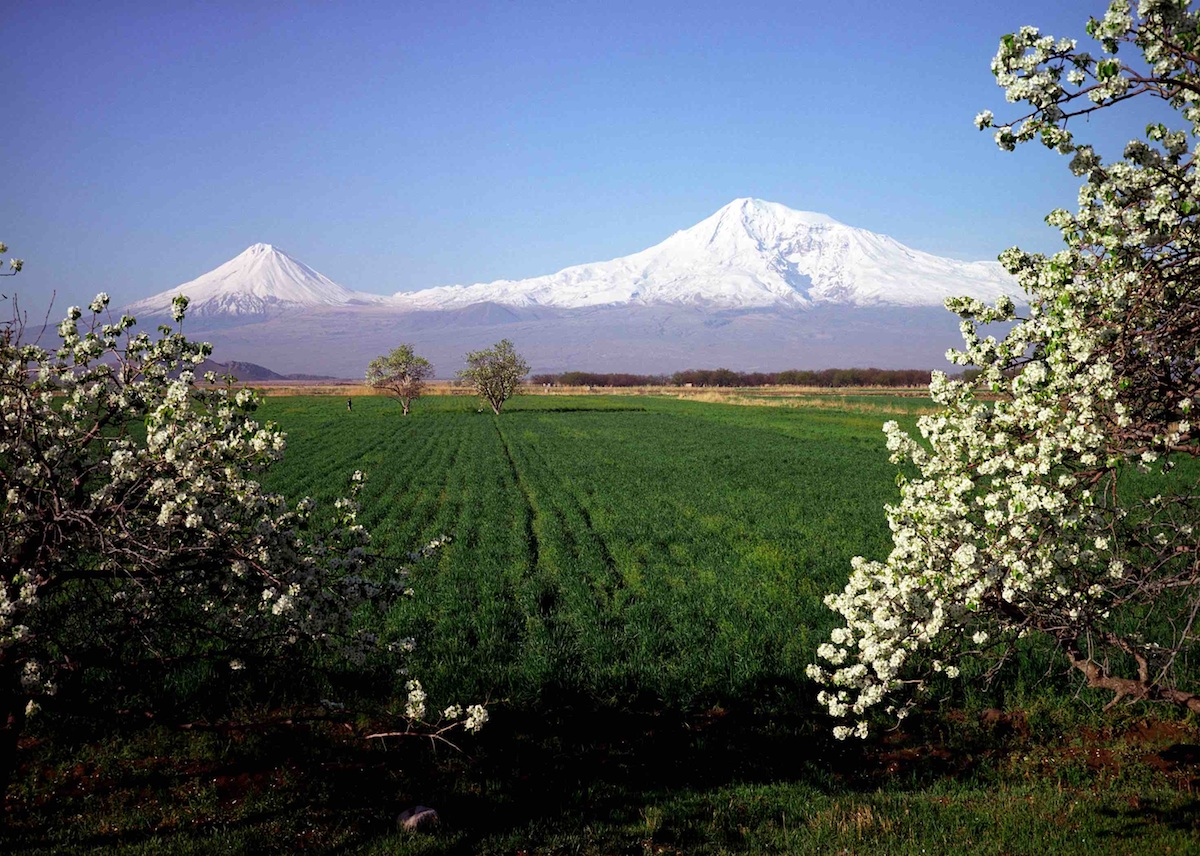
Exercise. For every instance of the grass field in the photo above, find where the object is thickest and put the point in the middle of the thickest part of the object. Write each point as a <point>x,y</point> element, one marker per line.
<point>612,547</point>
<point>634,586</point>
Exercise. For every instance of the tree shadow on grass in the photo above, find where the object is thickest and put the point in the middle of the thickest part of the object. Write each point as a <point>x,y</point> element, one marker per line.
<point>323,786</point>
<point>572,765</point>
<point>269,790</point>
<point>559,768</point>
<point>1143,814</point>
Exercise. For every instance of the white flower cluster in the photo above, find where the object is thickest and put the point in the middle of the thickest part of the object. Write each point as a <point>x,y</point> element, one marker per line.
<point>414,707</point>
<point>14,265</point>
<point>473,717</point>
<point>1014,521</point>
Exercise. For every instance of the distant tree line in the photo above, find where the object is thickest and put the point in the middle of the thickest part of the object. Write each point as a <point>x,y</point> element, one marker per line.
<point>600,379</point>
<point>803,377</point>
<point>728,377</point>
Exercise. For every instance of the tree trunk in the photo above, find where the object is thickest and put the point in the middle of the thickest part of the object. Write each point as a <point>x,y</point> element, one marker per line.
<point>1141,688</point>
<point>12,725</point>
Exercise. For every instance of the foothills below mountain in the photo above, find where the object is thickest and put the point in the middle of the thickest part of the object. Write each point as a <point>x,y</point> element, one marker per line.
<point>756,286</point>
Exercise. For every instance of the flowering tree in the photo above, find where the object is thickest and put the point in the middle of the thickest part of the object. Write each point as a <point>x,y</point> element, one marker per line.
<point>14,265</point>
<point>495,373</point>
<point>1027,514</point>
<point>402,373</point>
<point>131,519</point>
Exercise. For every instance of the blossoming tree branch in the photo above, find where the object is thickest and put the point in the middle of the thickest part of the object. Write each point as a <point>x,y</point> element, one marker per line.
<point>1063,503</point>
<point>133,527</point>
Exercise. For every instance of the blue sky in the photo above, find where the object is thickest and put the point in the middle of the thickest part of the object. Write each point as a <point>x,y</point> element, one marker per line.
<point>395,145</point>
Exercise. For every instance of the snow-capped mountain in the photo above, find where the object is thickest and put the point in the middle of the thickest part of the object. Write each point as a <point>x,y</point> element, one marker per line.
<point>261,281</point>
<point>750,254</point>
<point>756,286</point>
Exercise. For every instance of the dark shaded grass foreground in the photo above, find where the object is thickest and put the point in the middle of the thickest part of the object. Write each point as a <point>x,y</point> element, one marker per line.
<point>577,779</point>
<point>634,587</point>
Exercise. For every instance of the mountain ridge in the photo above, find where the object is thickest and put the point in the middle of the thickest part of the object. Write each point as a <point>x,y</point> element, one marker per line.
<point>749,255</point>
<point>754,286</point>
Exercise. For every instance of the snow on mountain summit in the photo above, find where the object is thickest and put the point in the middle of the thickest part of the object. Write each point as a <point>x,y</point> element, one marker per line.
<point>749,254</point>
<point>262,280</point>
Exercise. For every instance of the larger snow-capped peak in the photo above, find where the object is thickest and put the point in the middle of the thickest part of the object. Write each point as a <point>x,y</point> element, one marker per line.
<point>261,280</point>
<point>749,254</point>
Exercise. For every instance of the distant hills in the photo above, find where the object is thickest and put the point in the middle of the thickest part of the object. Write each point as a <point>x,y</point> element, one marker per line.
<point>252,371</point>
<point>755,286</point>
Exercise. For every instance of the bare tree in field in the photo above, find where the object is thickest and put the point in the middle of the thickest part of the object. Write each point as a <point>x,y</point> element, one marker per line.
<point>401,373</point>
<point>495,373</point>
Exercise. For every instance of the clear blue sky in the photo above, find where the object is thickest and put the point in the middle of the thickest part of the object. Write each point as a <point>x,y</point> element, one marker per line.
<point>395,145</point>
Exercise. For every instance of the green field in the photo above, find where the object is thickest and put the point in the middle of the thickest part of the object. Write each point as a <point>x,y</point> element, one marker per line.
<point>634,585</point>
<point>618,548</point>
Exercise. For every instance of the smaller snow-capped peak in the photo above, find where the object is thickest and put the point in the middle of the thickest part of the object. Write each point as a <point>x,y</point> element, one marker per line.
<point>262,280</point>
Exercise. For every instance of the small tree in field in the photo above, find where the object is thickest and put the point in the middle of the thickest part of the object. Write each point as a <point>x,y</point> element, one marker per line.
<point>495,373</point>
<point>402,373</point>
<point>134,533</point>
<point>1051,508</point>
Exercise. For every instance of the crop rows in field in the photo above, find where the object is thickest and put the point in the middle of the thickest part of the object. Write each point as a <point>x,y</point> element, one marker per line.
<point>613,547</point>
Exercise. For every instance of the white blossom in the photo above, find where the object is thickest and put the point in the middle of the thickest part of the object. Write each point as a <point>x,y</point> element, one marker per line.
<point>1010,517</point>
<point>414,706</point>
<point>477,716</point>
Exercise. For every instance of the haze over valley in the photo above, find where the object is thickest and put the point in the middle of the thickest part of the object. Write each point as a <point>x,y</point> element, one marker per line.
<point>755,286</point>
